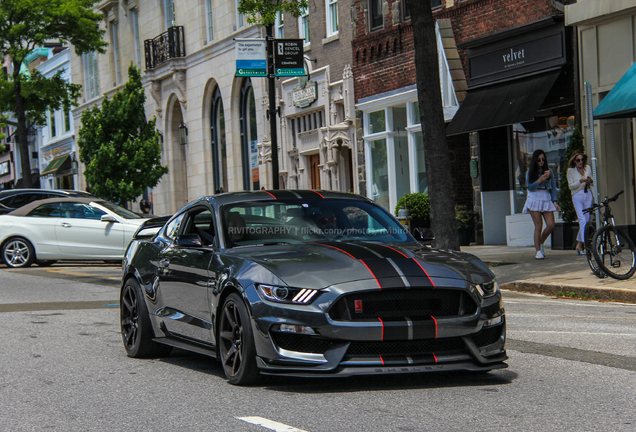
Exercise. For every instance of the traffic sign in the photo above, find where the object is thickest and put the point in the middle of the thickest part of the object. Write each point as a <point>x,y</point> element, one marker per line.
<point>288,57</point>
<point>251,58</point>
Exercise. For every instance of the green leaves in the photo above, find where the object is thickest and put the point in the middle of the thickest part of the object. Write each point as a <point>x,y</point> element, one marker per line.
<point>120,150</point>
<point>264,11</point>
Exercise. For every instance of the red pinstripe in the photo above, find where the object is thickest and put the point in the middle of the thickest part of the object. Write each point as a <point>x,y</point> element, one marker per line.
<point>333,247</point>
<point>382,322</point>
<point>381,359</point>
<point>318,194</point>
<point>435,326</point>
<point>429,278</point>
<point>435,357</point>
<point>393,249</point>
<point>373,274</point>
<point>269,194</point>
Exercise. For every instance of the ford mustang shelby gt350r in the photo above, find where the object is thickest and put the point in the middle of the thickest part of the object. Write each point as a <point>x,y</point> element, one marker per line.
<point>306,283</point>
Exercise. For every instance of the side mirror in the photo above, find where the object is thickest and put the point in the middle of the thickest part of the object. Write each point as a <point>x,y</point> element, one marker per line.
<point>188,240</point>
<point>107,218</point>
<point>424,235</point>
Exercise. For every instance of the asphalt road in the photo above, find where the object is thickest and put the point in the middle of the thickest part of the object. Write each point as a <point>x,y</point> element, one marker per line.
<point>572,367</point>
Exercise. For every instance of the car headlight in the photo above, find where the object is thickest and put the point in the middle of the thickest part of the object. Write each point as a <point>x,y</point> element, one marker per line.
<point>488,289</point>
<point>281,294</point>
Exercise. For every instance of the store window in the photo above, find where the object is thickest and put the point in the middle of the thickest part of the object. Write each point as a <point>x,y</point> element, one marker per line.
<point>219,145</point>
<point>249,137</point>
<point>552,135</point>
<point>91,77</point>
<point>395,149</point>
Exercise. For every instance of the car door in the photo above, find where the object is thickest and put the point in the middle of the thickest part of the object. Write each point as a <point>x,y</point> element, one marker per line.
<point>81,234</point>
<point>39,227</point>
<point>184,277</point>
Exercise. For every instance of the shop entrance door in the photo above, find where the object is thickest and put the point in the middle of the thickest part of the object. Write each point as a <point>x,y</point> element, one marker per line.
<point>314,162</point>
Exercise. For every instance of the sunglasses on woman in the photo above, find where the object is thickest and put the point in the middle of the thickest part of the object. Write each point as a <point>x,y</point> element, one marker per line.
<point>578,160</point>
<point>541,159</point>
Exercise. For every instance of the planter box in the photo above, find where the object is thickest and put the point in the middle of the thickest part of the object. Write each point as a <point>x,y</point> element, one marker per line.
<point>564,236</point>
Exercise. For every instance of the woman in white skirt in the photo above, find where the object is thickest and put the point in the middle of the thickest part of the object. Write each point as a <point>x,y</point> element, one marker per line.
<point>542,199</point>
<point>580,181</point>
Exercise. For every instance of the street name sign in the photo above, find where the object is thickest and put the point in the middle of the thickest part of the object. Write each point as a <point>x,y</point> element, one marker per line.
<point>251,57</point>
<point>288,57</point>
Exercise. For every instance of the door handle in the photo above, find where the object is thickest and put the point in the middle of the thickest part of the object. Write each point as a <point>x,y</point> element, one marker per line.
<point>66,225</point>
<point>164,263</point>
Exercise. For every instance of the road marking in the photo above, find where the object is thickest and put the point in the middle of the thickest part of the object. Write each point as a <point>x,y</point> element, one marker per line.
<point>570,302</point>
<point>269,424</point>
<point>58,306</point>
<point>82,274</point>
<point>571,332</point>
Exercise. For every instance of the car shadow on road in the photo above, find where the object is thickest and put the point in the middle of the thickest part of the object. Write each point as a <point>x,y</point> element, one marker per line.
<point>210,366</point>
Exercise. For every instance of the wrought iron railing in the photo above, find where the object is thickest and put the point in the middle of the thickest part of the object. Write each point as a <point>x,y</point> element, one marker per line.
<point>166,46</point>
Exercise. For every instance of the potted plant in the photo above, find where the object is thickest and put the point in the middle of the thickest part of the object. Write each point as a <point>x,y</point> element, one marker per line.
<point>418,208</point>
<point>564,234</point>
<point>465,218</point>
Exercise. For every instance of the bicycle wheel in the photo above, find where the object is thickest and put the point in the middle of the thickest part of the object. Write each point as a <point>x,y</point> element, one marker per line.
<point>614,252</point>
<point>591,261</point>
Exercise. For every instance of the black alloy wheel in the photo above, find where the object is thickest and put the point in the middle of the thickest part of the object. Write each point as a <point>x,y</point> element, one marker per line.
<point>136,328</point>
<point>18,252</point>
<point>236,340</point>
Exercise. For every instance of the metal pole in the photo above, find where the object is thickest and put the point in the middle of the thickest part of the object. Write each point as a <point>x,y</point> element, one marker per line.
<point>590,125</point>
<point>272,104</point>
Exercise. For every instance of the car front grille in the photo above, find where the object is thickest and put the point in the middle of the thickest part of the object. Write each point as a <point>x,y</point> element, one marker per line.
<point>414,303</point>
<point>487,336</point>
<point>300,343</point>
<point>410,347</point>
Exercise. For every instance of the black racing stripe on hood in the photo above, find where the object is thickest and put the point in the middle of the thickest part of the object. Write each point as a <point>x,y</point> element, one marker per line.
<point>385,273</point>
<point>388,251</point>
<point>358,251</point>
<point>411,267</point>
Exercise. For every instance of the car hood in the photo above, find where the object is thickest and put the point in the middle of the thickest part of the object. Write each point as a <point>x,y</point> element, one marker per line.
<point>319,265</point>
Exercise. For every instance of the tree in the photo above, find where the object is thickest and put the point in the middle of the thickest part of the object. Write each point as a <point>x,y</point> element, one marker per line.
<point>568,213</point>
<point>29,24</point>
<point>120,150</point>
<point>440,181</point>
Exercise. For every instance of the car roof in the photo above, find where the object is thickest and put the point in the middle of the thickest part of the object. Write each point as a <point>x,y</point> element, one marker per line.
<point>61,192</point>
<point>24,210</point>
<point>282,194</point>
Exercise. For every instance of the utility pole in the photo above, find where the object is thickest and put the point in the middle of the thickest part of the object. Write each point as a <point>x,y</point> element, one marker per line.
<point>271,113</point>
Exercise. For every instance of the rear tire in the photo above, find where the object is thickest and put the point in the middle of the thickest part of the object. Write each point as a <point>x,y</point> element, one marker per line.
<point>136,328</point>
<point>18,252</point>
<point>236,340</point>
<point>589,245</point>
<point>615,253</point>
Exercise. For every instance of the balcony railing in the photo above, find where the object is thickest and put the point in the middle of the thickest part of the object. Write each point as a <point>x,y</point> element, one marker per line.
<point>166,46</point>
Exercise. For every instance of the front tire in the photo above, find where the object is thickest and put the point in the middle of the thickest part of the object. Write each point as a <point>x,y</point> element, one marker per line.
<point>136,328</point>
<point>18,252</point>
<point>236,339</point>
<point>614,252</point>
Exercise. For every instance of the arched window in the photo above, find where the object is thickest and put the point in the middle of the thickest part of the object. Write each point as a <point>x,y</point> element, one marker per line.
<point>249,137</point>
<point>219,147</point>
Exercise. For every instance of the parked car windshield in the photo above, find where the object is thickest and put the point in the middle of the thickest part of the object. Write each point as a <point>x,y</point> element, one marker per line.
<point>251,223</point>
<point>119,211</point>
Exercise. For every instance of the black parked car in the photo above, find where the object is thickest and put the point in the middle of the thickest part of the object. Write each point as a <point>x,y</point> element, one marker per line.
<point>12,199</point>
<point>306,283</point>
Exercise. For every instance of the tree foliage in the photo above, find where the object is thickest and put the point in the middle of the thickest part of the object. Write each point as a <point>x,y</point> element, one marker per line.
<point>26,25</point>
<point>120,151</point>
<point>264,11</point>
<point>568,213</point>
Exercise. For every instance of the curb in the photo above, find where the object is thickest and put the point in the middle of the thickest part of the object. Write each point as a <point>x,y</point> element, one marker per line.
<point>580,291</point>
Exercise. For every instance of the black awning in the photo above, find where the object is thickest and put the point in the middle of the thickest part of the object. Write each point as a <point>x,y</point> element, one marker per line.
<point>502,104</point>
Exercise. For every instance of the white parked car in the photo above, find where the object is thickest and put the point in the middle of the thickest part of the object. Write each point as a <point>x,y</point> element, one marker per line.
<point>54,229</point>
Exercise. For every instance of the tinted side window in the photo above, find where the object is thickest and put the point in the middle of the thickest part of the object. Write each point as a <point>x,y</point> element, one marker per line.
<point>173,227</point>
<point>51,210</point>
<point>23,199</point>
<point>81,211</point>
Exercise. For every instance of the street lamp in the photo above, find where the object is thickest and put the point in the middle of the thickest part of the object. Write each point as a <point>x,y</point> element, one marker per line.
<point>183,134</point>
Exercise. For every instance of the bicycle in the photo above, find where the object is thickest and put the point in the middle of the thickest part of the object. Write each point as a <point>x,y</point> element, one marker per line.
<point>613,251</point>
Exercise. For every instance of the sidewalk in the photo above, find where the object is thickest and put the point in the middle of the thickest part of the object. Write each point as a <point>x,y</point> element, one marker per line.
<point>561,273</point>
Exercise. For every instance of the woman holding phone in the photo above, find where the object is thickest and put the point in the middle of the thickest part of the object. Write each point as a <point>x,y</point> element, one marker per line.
<point>542,199</point>
<point>580,182</point>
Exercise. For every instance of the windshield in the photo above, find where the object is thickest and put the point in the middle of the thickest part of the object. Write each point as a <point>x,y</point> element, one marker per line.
<point>119,211</point>
<point>258,222</point>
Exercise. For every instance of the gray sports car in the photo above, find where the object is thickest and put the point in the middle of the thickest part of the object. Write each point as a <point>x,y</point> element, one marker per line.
<point>306,283</point>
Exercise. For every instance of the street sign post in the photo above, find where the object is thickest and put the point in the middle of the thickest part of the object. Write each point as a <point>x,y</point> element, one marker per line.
<point>251,58</point>
<point>288,57</point>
